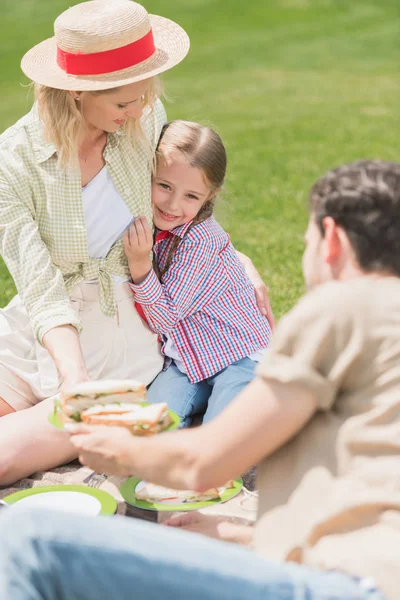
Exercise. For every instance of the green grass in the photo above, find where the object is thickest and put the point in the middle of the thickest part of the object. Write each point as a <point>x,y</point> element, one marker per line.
<point>294,87</point>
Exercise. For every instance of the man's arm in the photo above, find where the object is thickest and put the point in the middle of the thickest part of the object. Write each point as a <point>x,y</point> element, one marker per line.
<point>261,419</point>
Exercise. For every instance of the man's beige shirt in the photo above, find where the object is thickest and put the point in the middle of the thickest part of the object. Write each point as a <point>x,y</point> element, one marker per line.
<point>42,227</point>
<point>330,498</point>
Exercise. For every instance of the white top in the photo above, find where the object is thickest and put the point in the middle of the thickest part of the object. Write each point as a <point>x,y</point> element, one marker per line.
<point>106,215</point>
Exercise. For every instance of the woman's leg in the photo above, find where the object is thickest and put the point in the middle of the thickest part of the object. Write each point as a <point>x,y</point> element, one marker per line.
<point>227,384</point>
<point>54,555</point>
<point>28,443</point>
<point>15,393</point>
<point>185,398</point>
<point>5,408</point>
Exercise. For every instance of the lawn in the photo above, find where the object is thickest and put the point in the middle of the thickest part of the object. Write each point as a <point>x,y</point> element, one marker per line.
<point>294,87</point>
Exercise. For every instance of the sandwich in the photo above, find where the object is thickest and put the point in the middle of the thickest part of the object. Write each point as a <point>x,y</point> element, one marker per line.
<point>118,394</point>
<point>115,403</point>
<point>141,420</point>
<point>156,493</point>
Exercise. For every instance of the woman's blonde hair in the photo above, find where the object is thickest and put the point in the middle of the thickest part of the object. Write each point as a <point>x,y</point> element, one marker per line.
<point>64,123</point>
<point>202,148</point>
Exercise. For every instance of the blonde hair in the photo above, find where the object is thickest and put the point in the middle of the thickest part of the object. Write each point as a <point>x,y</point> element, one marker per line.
<point>64,123</point>
<point>202,148</point>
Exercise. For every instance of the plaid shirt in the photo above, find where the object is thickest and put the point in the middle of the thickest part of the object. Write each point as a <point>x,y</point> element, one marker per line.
<point>205,303</point>
<point>42,227</point>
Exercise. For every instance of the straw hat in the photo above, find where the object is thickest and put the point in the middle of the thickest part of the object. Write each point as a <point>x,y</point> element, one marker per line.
<point>104,44</point>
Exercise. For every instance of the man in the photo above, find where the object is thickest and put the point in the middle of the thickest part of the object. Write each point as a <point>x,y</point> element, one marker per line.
<point>322,419</point>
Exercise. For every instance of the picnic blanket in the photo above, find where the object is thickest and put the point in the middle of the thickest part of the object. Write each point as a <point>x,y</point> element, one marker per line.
<point>239,509</point>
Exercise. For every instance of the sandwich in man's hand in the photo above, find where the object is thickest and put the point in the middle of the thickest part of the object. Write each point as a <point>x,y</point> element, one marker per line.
<point>156,493</point>
<point>141,420</point>
<point>114,402</point>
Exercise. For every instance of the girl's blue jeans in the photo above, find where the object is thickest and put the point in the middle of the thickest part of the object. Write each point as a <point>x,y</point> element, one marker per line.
<point>208,397</point>
<point>56,556</point>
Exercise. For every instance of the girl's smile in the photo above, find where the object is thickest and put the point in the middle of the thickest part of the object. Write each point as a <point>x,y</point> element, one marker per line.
<point>178,192</point>
<point>166,216</point>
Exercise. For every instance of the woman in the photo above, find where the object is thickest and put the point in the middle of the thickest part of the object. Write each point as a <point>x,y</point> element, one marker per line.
<point>74,172</point>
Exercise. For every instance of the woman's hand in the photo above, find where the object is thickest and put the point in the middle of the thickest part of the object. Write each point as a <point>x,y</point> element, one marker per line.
<point>71,380</point>
<point>103,449</point>
<point>260,288</point>
<point>213,526</point>
<point>138,242</point>
<point>64,346</point>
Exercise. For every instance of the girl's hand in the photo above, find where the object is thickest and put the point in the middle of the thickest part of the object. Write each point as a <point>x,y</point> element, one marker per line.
<point>138,242</point>
<point>103,449</point>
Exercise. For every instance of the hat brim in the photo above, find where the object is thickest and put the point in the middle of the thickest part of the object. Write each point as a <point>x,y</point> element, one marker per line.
<point>171,42</point>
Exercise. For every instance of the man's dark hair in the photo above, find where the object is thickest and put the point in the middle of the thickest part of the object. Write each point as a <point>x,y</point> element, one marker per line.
<point>364,199</point>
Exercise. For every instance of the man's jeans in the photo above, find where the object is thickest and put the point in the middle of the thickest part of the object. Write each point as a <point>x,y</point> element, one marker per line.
<point>55,556</point>
<point>208,397</point>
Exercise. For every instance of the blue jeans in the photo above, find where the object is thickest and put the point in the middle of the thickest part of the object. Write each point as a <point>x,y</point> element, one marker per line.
<point>54,556</point>
<point>208,397</point>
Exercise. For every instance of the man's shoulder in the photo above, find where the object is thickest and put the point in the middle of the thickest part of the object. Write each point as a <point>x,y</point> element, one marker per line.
<point>344,301</point>
<point>360,291</point>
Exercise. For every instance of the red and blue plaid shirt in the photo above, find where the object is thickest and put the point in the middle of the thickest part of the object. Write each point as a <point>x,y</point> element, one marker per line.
<point>205,303</point>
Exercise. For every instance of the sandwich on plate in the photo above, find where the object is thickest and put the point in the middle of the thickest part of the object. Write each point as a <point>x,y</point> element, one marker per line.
<point>156,493</point>
<point>113,402</point>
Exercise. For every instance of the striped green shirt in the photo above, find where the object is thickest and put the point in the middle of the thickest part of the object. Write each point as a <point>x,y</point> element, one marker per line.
<point>42,227</point>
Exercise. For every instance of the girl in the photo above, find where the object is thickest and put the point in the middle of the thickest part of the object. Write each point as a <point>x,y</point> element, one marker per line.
<point>197,296</point>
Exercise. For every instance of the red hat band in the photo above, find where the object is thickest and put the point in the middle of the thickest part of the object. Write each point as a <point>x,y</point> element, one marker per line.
<point>108,61</point>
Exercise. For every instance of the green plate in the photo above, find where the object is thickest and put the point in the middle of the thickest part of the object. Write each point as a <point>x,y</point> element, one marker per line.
<point>108,504</point>
<point>128,488</point>
<point>54,419</point>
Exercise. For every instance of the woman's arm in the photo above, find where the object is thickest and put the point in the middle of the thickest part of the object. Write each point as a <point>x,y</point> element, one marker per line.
<point>261,289</point>
<point>39,282</point>
<point>64,346</point>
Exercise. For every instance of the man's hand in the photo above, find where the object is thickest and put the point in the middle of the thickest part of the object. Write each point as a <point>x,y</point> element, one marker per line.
<point>103,449</point>
<point>213,526</point>
<point>138,242</point>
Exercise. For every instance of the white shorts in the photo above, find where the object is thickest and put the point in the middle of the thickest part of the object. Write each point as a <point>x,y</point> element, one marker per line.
<point>119,347</point>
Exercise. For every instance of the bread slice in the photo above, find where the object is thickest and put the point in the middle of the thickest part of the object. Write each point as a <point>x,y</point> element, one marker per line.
<point>116,408</point>
<point>157,493</point>
<point>142,420</point>
<point>106,387</point>
<point>91,394</point>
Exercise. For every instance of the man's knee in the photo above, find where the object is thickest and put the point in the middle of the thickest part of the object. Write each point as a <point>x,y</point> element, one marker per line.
<point>20,528</point>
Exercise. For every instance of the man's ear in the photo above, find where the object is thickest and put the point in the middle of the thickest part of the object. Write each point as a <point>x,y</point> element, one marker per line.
<point>332,240</point>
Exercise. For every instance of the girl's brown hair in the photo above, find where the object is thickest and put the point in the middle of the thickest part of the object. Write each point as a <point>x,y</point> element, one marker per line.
<point>202,148</point>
